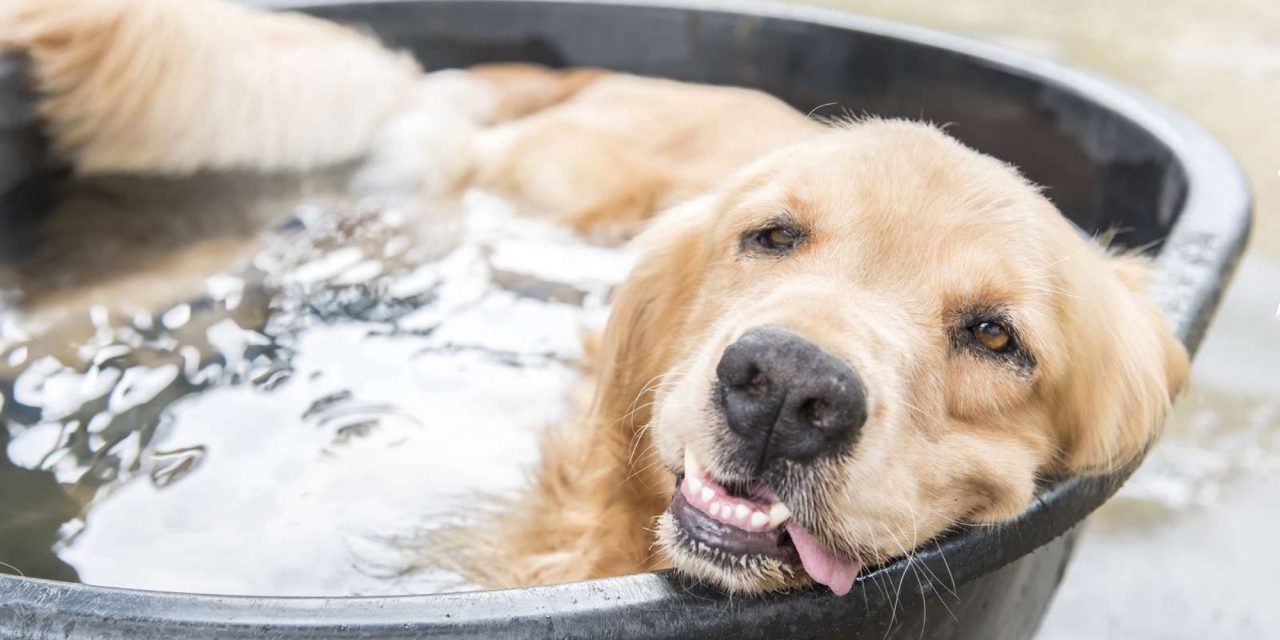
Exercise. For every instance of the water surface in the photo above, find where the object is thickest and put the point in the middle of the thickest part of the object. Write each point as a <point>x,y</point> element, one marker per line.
<point>343,380</point>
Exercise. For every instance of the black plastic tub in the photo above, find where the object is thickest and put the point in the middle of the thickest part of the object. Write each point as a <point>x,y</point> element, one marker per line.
<point>1111,159</point>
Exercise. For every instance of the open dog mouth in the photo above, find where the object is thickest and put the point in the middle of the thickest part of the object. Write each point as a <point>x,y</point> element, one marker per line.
<point>742,526</point>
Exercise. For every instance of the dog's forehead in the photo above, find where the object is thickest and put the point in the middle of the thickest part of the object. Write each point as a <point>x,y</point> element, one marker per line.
<point>922,197</point>
<point>905,171</point>
<point>905,202</point>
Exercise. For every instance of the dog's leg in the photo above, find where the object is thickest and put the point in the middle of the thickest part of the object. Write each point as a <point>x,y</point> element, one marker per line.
<point>175,86</point>
<point>559,160</point>
<point>604,191</point>
<point>605,153</point>
<point>443,141</point>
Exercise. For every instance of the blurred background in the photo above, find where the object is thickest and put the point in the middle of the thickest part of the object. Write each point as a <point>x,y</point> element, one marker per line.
<point>1184,551</point>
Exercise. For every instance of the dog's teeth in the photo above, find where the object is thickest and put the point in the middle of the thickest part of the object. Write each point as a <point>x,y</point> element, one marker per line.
<point>715,509</point>
<point>778,514</point>
<point>707,493</point>
<point>741,512</point>
<point>759,519</point>
<point>691,468</point>
<point>695,483</point>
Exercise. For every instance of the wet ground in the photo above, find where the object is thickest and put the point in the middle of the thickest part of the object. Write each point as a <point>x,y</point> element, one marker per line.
<point>1186,549</point>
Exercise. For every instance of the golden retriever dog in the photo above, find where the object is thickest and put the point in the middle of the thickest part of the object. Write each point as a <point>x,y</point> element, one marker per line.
<point>840,340</point>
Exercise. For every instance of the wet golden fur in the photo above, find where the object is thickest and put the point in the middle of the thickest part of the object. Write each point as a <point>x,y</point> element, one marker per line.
<point>906,232</point>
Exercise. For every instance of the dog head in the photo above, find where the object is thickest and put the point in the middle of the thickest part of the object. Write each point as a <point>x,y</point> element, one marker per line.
<point>865,339</point>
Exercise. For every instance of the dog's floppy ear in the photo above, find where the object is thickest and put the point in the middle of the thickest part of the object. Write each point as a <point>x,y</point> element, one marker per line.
<point>650,309</point>
<point>1123,368</point>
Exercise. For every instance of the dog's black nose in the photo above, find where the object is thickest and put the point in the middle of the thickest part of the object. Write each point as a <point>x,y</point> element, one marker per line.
<point>787,398</point>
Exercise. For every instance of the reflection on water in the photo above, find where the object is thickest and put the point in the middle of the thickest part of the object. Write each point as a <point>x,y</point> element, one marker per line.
<point>271,430</point>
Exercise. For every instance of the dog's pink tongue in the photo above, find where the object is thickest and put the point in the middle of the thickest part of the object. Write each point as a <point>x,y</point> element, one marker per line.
<point>821,564</point>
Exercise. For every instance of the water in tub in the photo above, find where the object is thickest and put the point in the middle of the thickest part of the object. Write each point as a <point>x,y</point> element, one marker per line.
<point>248,385</point>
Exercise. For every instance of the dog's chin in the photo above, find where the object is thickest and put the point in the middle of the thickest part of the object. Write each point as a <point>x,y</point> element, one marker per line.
<point>731,571</point>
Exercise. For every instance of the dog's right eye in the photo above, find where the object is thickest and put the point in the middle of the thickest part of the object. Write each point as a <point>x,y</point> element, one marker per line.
<point>774,239</point>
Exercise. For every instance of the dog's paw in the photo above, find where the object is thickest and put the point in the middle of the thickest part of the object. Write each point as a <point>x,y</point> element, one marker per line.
<point>428,150</point>
<point>424,152</point>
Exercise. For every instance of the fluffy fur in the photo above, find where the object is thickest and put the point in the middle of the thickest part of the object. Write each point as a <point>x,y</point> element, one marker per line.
<point>173,86</point>
<point>906,231</point>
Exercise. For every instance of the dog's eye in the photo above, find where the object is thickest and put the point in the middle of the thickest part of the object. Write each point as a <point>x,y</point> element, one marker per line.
<point>994,336</point>
<point>775,240</point>
<point>988,332</point>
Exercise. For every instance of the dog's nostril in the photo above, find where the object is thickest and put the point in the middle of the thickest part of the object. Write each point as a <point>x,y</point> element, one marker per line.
<point>816,412</point>
<point>757,382</point>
